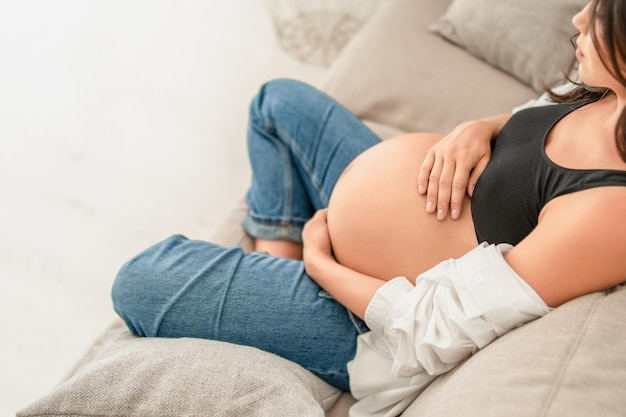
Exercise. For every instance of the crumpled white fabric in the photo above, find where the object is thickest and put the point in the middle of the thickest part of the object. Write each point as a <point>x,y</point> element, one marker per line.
<point>422,331</point>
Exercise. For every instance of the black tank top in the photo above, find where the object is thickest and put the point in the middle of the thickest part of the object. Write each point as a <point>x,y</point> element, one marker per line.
<point>520,179</point>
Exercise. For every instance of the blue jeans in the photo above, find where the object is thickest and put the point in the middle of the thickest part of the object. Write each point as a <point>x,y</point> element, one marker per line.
<point>300,140</point>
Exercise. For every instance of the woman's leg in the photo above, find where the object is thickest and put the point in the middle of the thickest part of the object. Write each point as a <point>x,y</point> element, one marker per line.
<point>185,288</point>
<point>299,141</point>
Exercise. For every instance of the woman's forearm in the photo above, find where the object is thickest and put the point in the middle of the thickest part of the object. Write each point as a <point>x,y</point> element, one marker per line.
<point>350,288</point>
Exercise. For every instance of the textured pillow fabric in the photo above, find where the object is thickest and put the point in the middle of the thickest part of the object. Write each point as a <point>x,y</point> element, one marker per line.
<point>529,39</point>
<point>126,376</point>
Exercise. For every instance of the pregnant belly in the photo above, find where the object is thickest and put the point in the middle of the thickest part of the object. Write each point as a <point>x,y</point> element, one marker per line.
<point>377,220</point>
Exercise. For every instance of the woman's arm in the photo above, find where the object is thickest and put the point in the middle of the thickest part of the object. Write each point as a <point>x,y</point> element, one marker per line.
<point>453,309</point>
<point>350,288</point>
<point>577,247</point>
<point>452,167</point>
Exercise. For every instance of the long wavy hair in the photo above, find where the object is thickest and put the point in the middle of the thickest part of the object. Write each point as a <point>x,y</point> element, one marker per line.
<point>608,33</point>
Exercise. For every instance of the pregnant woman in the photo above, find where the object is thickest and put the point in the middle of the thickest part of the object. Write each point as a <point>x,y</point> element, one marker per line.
<point>377,271</point>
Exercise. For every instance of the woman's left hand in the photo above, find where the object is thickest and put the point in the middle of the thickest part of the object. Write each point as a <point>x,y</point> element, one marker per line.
<point>316,241</point>
<point>352,289</point>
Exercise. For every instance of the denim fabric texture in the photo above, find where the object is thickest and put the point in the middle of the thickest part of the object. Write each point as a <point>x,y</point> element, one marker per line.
<point>300,141</point>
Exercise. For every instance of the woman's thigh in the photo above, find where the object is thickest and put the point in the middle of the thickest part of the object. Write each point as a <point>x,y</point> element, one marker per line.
<point>185,288</point>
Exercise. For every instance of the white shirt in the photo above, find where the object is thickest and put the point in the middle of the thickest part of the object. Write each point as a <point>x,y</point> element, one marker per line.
<point>419,332</point>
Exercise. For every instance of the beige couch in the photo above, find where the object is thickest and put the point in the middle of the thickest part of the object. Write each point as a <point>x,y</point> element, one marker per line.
<point>398,76</point>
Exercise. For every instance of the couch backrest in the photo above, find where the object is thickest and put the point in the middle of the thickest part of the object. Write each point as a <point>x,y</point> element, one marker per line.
<point>396,72</point>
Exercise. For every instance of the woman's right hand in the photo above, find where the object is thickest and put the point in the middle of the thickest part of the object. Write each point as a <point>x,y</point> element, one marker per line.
<point>453,165</point>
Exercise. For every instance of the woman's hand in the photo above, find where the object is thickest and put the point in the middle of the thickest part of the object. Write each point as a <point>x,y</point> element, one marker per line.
<point>316,242</point>
<point>453,165</point>
<point>350,288</point>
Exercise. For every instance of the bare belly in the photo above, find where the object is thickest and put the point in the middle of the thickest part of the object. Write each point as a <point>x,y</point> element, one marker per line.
<point>377,220</point>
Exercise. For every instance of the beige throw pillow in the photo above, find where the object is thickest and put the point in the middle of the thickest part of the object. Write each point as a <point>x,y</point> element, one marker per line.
<point>528,39</point>
<point>126,376</point>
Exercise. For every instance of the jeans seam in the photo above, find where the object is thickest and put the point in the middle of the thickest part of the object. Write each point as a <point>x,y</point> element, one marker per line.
<point>297,152</point>
<point>276,220</point>
<point>329,111</point>
<point>288,184</point>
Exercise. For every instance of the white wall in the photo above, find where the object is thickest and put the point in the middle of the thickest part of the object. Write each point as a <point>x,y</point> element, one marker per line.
<point>121,122</point>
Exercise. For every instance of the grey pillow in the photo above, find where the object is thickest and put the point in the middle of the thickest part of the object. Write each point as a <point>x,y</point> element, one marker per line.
<point>529,39</point>
<point>123,375</point>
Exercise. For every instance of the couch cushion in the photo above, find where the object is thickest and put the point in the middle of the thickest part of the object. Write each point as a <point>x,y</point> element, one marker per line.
<point>123,375</point>
<point>529,39</point>
<point>396,72</point>
<point>568,363</point>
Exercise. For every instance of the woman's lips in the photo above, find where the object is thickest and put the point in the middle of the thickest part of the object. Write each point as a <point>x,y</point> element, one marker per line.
<point>579,52</point>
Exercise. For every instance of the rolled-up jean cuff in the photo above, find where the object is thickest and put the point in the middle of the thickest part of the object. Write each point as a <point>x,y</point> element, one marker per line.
<point>272,231</point>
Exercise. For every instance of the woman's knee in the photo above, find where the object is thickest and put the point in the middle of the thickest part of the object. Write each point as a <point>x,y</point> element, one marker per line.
<point>283,97</point>
<point>130,298</point>
<point>137,289</point>
<point>163,290</point>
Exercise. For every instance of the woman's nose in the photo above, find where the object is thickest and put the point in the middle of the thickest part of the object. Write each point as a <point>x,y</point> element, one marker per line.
<point>581,19</point>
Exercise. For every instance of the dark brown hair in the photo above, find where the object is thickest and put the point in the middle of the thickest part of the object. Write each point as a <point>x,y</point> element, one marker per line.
<point>608,33</point>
